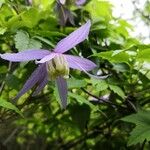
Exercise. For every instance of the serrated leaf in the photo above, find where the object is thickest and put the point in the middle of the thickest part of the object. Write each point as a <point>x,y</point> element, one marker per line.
<point>142,129</point>
<point>23,41</point>
<point>139,134</point>
<point>10,106</point>
<point>117,90</point>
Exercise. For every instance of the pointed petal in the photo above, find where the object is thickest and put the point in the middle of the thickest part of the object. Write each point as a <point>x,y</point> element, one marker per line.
<point>73,39</point>
<point>41,85</point>
<point>26,55</point>
<point>47,58</point>
<point>33,79</point>
<point>85,64</point>
<point>82,68</point>
<point>62,89</point>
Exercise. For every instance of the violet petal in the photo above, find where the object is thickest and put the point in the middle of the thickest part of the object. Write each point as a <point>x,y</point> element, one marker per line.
<point>73,39</point>
<point>33,79</point>
<point>62,89</point>
<point>26,55</point>
<point>80,67</point>
<point>85,64</point>
<point>47,58</point>
<point>41,85</point>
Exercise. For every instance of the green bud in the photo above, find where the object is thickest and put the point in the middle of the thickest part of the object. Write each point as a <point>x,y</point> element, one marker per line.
<point>58,66</point>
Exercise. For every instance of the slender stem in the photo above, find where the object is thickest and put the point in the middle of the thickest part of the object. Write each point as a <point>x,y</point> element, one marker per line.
<point>102,100</point>
<point>3,83</point>
<point>10,136</point>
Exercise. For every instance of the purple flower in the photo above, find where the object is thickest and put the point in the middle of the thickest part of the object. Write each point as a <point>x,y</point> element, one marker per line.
<point>54,65</point>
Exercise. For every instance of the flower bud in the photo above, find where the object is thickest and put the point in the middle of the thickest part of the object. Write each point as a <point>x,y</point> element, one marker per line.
<point>58,66</point>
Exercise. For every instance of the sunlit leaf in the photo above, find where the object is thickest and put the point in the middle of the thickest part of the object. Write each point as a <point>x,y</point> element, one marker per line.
<point>10,106</point>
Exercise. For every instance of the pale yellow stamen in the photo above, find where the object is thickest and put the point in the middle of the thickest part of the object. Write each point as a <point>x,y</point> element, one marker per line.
<point>58,66</point>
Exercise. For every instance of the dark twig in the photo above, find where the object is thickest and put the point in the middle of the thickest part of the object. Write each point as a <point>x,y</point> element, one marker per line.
<point>102,100</point>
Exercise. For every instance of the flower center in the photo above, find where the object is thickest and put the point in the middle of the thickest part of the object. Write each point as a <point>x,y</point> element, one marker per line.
<point>58,66</point>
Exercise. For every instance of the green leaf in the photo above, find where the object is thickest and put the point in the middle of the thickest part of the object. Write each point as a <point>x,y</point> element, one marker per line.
<point>115,56</point>
<point>34,44</point>
<point>74,83</point>
<point>23,41</point>
<point>10,106</point>
<point>101,9</point>
<point>142,129</point>
<point>121,67</point>
<point>81,99</point>
<point>100,85</point>
<point>144,55</point>
<point>117,90</point>
<point>31,17</point>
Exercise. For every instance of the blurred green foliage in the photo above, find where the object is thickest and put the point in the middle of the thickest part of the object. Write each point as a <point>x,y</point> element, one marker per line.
<point>93,118</point>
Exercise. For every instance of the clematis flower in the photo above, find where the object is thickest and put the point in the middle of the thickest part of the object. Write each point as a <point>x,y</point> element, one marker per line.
<point>54,65</point>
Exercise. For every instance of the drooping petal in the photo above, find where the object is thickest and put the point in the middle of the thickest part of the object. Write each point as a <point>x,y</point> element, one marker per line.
<point>36,76</point>
<point>80,2</point>
<point>85,64</point>
<point>73,39</point>
<point>26,55</point>
<point>62,89</point>
<point>47,58</point>
<point>42,82</point>
<point>41,85</point>
<point>83,68</point>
